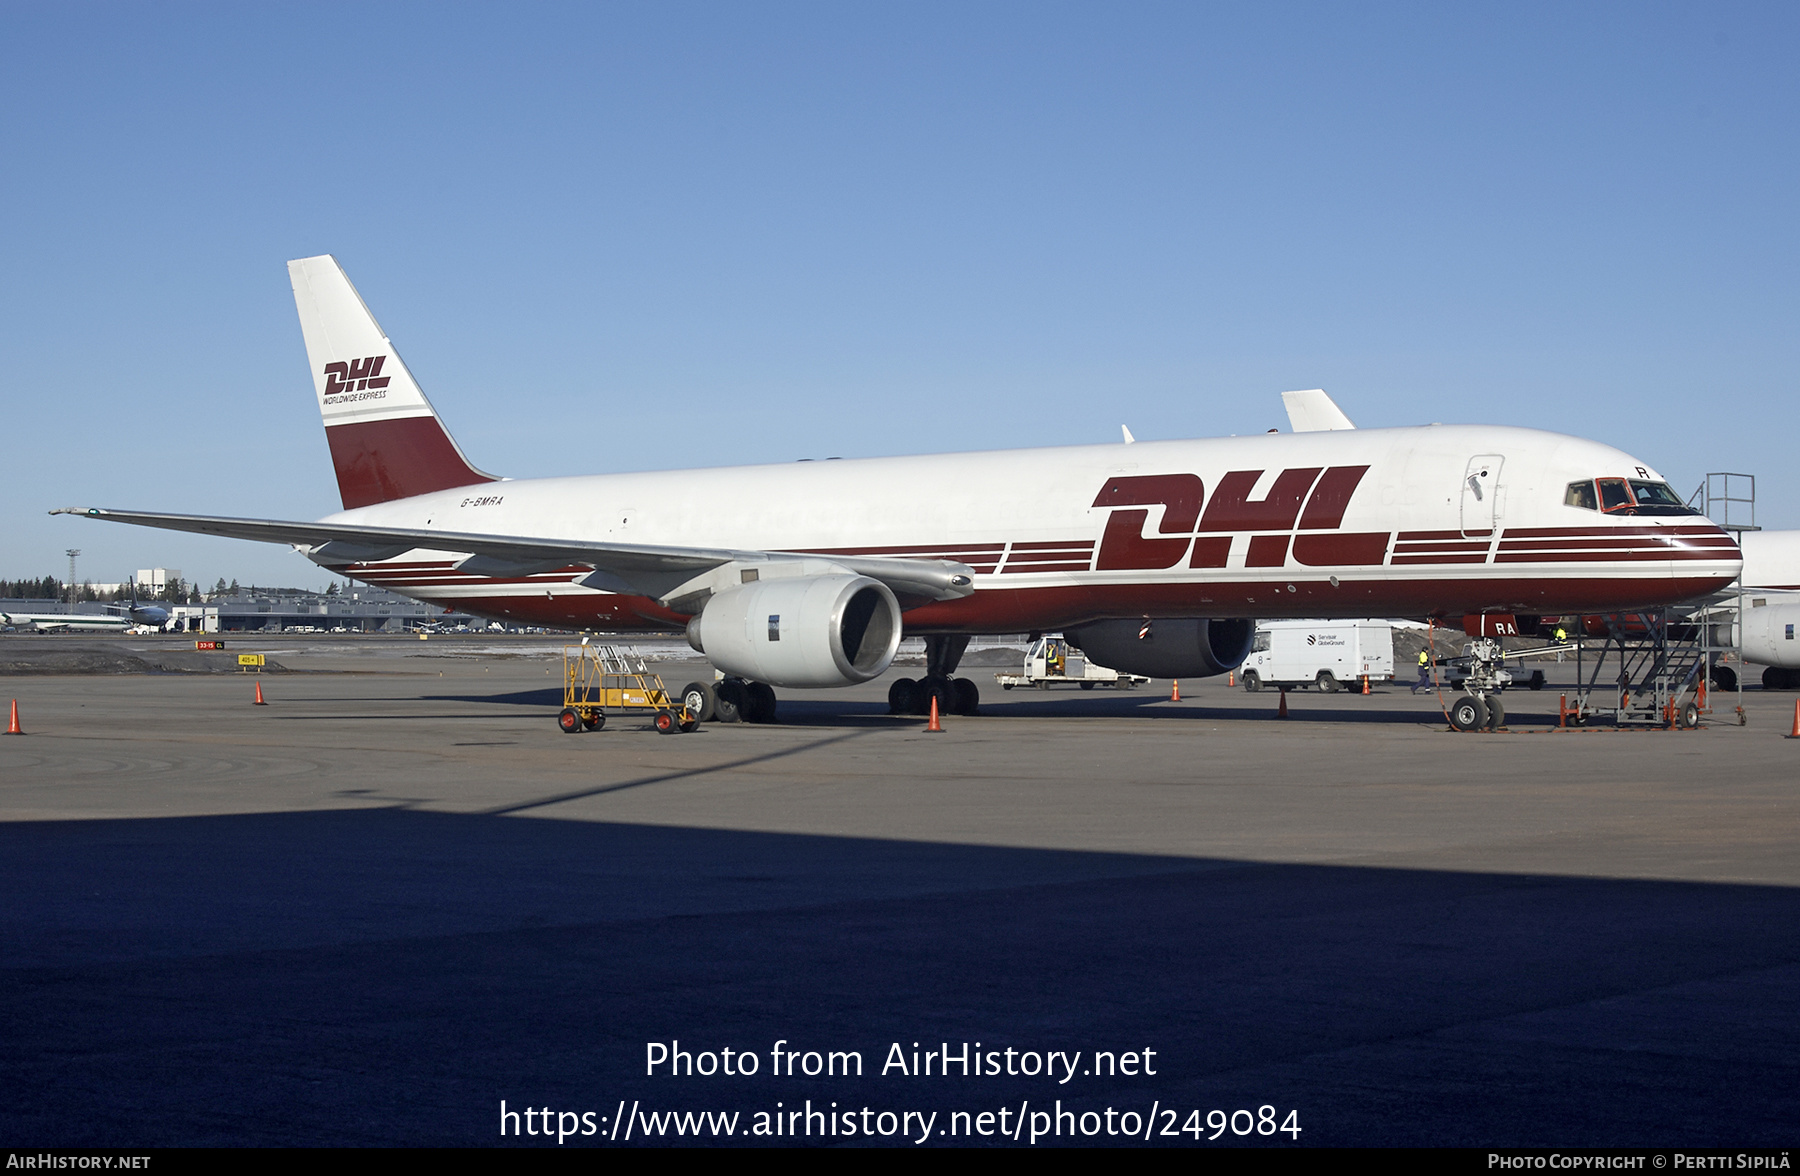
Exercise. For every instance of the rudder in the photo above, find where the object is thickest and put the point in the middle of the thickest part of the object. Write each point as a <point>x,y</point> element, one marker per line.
<point>386,440</point>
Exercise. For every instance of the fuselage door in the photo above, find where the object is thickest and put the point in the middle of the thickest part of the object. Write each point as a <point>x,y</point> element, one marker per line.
<point>1481,494</point>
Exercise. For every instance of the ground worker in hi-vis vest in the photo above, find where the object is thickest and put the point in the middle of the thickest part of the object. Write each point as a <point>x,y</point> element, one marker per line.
<point>1424,681</point>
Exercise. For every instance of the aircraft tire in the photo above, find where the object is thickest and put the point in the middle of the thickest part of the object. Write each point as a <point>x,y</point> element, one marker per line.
<point>940,689</point>
<point>1774,678</point>
<point>967,695</point>
<point>729,701</point>
<point>1468,713</point>
<point>1496,716</point>
<point>1724,678</point>
<point>903,697</point>
<point>761,697</point>
<point>699,700</point>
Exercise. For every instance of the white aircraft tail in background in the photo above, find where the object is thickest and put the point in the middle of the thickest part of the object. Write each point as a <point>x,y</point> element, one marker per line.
<point>1312,411</point>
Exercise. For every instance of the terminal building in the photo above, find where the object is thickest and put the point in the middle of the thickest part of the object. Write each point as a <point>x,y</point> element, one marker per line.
<point>357,610</point>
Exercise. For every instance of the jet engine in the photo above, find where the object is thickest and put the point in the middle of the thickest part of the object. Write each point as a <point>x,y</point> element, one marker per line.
<point>1180,648</point>
<point>801,631</point>
<point>1771,637</point>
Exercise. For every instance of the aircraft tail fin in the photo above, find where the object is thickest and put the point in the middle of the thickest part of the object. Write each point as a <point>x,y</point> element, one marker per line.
<point>386,440</point>
<point>1312,411</point>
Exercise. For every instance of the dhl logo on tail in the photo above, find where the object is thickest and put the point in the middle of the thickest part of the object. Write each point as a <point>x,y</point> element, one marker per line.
<point>356,376</point>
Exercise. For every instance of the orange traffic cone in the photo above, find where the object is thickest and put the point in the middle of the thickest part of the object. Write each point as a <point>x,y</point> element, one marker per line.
<point>259,698</point>
<point>934,725</point>
<point>1282,713</point>
<point>1231,678</point>
<point>13,727</point>
<point>1175,690</point>
<point>1794,735</point>
<point>1365,683</point>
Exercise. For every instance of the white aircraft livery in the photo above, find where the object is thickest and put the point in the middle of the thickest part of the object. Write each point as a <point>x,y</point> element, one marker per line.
<point>1155,556</point>
<point>61,622</point>
<point>1770,617</point>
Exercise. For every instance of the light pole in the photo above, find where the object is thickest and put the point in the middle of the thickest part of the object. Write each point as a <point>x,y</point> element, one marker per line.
<point>72,553</point>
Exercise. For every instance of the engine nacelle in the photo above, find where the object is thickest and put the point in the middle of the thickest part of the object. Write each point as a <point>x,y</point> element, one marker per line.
<point>801,631</point>
<point>1771,635</point>
<point>1180,648</point>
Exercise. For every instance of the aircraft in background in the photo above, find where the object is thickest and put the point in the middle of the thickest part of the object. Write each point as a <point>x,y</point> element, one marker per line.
<point>1154,557</point>
<point>119,618</point>
<point>1770,619</point>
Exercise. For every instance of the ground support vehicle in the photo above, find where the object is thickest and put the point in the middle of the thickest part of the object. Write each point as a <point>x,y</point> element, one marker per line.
<point>1325,654</point>
<point>602,678</point>
<point>1051,661</point>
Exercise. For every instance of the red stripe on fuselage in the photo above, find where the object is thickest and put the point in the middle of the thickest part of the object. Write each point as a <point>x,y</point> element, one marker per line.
<point>1001,610</point>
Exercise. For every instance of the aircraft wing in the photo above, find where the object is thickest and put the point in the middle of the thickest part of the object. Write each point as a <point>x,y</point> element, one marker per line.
<point>634,569</point>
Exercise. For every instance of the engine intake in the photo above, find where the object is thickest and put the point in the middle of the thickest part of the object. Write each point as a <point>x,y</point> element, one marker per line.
<point>801,632</point>
<point>1189,647</point>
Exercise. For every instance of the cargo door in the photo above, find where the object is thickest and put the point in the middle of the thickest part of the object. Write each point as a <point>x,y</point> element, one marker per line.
<point>1481,495</point>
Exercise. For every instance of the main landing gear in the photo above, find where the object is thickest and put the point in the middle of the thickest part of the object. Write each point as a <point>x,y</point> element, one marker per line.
<point>730,700</point>
<point>955,696</point>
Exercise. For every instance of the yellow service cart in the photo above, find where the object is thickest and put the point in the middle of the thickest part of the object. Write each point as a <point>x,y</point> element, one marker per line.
<point>602,678</point>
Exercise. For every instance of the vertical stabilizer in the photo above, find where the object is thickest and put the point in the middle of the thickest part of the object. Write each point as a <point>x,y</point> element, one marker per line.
<point>1312,411</point>
<point>386,440</point>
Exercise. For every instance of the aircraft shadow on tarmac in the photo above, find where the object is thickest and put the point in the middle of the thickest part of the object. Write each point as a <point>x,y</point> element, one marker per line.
<point>828,712</point>
<point>389,976</point>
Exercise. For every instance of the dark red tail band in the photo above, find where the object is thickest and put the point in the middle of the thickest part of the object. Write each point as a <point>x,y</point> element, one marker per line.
<point>378,461</point>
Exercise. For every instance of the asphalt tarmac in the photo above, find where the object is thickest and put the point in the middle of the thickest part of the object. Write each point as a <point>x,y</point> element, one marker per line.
<point>397,895</point>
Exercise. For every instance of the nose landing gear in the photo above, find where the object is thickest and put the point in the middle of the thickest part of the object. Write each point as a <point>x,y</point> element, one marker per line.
<point>1480,709</point>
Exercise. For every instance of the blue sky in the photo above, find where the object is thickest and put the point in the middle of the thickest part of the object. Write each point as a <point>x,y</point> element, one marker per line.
<point>662,235</point>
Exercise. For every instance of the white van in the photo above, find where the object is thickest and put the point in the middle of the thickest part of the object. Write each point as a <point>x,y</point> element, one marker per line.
<point>1326,654</point>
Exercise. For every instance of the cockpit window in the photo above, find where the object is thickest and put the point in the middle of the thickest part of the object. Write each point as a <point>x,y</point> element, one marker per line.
<point>1658,498</point>
<point>1626,496</point>
<point>1614,495</point>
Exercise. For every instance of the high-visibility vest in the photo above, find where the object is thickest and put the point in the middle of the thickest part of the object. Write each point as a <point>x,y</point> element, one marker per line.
<point>1424,658</point>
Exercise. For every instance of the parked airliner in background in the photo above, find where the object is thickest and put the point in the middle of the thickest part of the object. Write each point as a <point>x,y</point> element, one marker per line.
<point>119,618</point>
<point>68,622</point>
<point>1770,619</point>
<point>1155,557</point>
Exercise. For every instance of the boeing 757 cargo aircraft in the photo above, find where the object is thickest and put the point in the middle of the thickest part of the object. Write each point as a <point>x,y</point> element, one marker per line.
<point>1154,557</point>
